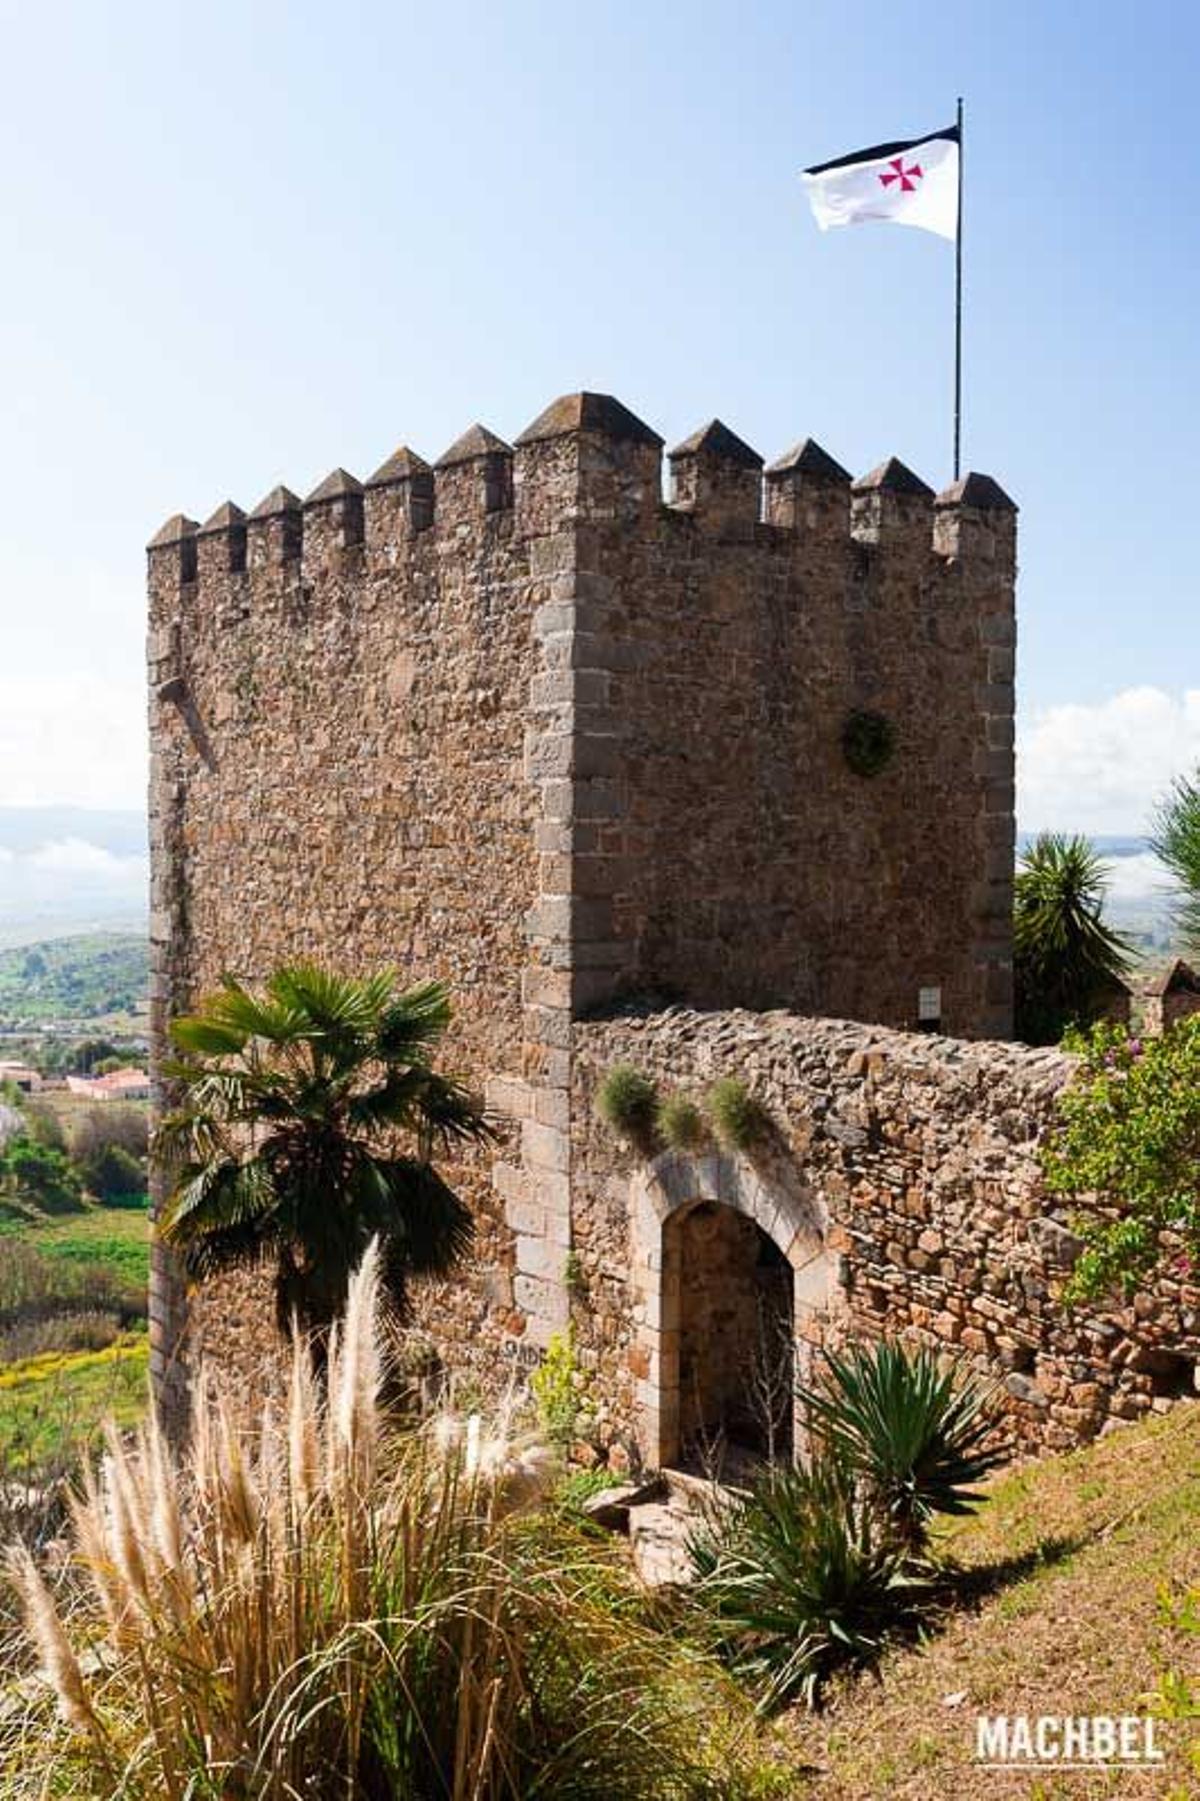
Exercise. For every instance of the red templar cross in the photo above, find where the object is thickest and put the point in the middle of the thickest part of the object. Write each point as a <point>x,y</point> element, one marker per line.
<point>908,178</point>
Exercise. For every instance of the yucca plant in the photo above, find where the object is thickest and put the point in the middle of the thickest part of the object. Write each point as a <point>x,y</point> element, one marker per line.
<point>1066,959</point>
<point>913,1432</point>
<point>306,1123</point>
<point>313,1606</point>
<point>801,1577</point>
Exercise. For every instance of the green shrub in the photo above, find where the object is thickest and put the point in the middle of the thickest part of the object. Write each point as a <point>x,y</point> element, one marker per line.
<point>41,1177</point>
<point>738,1118</point>
<point>800,1577</point>
<point>128,1127</point>
<point>578,1486</point>
<point>112,1174</point>
<point>1127,1149</point>
<point>43,1126</point>
<point>681,1123</point>
<point>912,1433</point>
<point>628,1102</point>
<point>555,1389</point>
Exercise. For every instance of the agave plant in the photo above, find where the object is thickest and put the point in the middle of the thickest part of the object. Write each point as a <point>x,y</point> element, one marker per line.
<point>801,1576</point>
<point>913,1432</point>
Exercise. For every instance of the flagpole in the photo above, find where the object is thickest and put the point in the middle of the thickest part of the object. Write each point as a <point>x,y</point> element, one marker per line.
<point>958,289</point>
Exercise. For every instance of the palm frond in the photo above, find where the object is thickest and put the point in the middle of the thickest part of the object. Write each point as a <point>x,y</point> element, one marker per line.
<point>413,1023</point>
<point>429,1228</point>
<point>211,1197</point>
<point>448,1114</point>
<point>241,1245</point>
<point>1175,840</point>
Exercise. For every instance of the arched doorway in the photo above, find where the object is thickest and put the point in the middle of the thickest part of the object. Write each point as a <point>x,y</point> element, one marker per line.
<point>736,1337</point>
<point>725,1259</point>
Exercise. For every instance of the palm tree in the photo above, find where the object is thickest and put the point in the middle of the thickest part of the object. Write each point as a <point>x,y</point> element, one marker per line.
<point>1066,960</point>
<point>1176,842</point>
<point>306,1123</point>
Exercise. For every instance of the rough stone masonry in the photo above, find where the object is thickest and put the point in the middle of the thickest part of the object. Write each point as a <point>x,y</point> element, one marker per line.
<point>514,721</point>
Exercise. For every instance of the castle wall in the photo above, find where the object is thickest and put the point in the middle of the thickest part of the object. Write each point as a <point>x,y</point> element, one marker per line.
<point>900,1179</point>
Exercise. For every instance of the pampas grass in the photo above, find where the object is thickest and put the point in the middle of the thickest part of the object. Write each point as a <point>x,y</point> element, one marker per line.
<point>318,1607</point>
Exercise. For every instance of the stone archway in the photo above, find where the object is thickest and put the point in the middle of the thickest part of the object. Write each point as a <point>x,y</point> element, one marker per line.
<point>665,1194</point>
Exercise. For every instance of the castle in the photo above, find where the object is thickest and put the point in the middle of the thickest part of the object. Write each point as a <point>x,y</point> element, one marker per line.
<point>626,774</point>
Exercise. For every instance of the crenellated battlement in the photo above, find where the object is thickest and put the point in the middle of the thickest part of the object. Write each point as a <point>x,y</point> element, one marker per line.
<point>715,479</point>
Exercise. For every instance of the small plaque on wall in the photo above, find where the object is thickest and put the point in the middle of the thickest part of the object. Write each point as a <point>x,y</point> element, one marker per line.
<point>929,1006</point>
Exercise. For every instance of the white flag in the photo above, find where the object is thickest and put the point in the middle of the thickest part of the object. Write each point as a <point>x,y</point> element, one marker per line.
<point>913,183</point>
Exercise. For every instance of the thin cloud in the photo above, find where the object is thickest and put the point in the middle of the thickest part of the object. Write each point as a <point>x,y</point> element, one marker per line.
<point>74,739</point>
<point>76,856</point>
<point>1101,768</point>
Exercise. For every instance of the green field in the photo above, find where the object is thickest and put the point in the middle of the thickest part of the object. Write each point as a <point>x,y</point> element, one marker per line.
<point>116,1236</point>
<point>53,1407</point>
<point>89,1267</point>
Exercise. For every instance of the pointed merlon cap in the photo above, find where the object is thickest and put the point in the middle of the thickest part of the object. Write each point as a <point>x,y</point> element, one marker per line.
<point>715,439</point>
<point>977,491</point>
<point>893,477</point>
<point>279,500</point>
<point>335,487</point>
<point>177,528</point>
<point>476,443</point>
<point>227,518</point>
<point>599,413</point>
<point>808,458</point>
<point>401,466</point>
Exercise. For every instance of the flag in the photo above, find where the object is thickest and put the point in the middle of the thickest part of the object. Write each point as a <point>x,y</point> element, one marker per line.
<point>909,183</point>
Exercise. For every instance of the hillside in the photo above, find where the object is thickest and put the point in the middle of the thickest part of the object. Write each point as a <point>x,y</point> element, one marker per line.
<point>1081,1561</point>
<point>91,977</point>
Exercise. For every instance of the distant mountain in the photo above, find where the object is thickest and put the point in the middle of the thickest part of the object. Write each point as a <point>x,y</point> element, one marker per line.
<point>65,870</point>
<point>83,977</point>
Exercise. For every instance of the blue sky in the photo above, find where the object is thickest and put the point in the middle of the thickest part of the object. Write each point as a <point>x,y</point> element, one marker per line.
<point>248,243</point>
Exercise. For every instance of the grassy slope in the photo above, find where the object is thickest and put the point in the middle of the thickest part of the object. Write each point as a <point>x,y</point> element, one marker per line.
<point>51,1406</point>
<point>117,1236</point>
<point>1089,1538</point>
<point>55,1403</point>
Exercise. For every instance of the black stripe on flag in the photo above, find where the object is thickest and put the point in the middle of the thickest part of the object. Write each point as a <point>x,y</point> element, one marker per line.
<point>878,151</point>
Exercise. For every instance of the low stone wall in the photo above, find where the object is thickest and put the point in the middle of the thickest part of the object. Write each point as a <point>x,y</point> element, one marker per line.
<point>900,1179</point>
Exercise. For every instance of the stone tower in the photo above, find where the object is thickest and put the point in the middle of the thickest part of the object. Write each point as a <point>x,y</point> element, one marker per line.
<point>514,721</point>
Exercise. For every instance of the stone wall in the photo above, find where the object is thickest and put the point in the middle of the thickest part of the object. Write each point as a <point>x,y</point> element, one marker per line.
<point>514,722</point>
<point>900,1179</point>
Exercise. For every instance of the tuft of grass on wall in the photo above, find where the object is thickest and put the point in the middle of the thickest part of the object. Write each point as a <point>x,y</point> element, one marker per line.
<point>681,1123</point>
<point>628,1102</point>
<point>738,1119</point>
